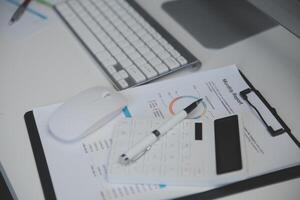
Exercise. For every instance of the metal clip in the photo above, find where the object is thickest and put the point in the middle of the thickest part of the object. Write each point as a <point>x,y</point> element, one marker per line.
<point>141,154</point>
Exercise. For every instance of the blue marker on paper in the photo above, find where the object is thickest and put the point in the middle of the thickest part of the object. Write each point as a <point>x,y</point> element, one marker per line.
<point>30,10</point>
<point>126,112</point>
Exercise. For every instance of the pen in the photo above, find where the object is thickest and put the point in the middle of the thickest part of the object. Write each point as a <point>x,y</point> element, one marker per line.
<point>139,149</point>
<point>19,12</point>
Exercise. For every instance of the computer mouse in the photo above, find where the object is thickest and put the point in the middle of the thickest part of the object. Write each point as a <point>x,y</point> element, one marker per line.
<point>84,113</point>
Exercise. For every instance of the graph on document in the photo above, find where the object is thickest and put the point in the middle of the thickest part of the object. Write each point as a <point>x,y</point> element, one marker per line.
<point>168,103</point>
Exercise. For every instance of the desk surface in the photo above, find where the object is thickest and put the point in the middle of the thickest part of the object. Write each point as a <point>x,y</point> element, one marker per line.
<point>44,69</point>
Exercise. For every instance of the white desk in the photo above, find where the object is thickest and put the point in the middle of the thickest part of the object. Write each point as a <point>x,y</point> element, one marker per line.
<point>45,69</point>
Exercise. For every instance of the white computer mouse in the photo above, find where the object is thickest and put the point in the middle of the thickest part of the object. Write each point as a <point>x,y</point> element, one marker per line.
<point>85,113</point>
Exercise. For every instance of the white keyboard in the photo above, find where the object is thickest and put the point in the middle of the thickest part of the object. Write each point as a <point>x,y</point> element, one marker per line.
<point>129,45</point>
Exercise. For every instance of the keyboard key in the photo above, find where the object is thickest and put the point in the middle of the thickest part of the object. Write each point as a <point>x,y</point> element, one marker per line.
<point>155,61</point>
<point>182,60</point>
<point>119,39</point>
<point>103,55</point>
<point>116,51</point>
<point>117,76</point>
<point>123,83</point>
<point>123,44</point>
<point>138,43</point>
<point>120,56</point>
<point>158,49</point>
<point>122,27</point>
<point>118,67</point>
<point>134,55</point>
<point>141,33</point>
<point>169,47</point>
<point>163,42</point>
<point>128,33</point>
<point>148,70</point>
<point>123,74</point>
<point>131,22</point>
<point>147,38</point>
<point>163,55</point>
<point>125,63</point>
<point>135,27</point>
<point>161,68</point>
<point>110,46</point>
<point>136,74</point>
<point>96,47</point>
<point>152,43</point>
<point>111,69</point>
<point>108,61</point>
<point>140,61</point>
<point>117,22</point>
<point>128,49</point>
<point>65,10</point>
<point>143,49</point>
<point>105,39</point>
<point>75,5</point>
<point>171,63</point>
<point>149,55</point>
<point>174,53</point>
<point>132,38</point>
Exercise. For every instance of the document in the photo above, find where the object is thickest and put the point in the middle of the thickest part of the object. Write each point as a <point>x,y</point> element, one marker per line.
<point>79,170</point>
<point>34,20</point>
<point>219,89</point>
<point>193,153</point>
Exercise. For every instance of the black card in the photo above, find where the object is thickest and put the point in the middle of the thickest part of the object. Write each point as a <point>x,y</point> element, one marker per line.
<point>227,144</point>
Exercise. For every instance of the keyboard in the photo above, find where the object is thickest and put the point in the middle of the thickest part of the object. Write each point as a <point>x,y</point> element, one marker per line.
<point>129,45</point>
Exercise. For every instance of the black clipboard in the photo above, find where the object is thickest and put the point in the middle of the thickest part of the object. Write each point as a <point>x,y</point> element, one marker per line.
<point>6,190</point>
<point>248,184</point>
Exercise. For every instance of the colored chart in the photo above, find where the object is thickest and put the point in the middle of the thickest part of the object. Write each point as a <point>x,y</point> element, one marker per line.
<point>178,103</point>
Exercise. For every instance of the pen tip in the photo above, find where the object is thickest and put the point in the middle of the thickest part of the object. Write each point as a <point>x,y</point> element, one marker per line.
<point>199,100</point>
<point>11,22</point>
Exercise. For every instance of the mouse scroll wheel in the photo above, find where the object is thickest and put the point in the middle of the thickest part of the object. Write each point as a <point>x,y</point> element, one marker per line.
<point>106,94</point>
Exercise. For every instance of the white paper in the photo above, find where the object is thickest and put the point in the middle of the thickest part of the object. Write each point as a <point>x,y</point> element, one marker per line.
<point>220,90</point>
<point>176,159</point>
<point>78,170</point>
<point>31,22</point>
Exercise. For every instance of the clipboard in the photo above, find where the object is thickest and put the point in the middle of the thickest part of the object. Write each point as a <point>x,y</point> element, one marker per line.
<point>240,186</point>
<point>6,189</point>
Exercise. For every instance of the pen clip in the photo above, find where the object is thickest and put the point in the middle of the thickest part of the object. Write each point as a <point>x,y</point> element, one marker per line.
<point>141,154</point>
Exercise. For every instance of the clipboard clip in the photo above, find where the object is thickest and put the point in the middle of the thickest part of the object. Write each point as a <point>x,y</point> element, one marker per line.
<point>273,132</point>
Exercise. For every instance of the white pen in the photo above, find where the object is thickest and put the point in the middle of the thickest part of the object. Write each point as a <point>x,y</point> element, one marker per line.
<point>145,144</point>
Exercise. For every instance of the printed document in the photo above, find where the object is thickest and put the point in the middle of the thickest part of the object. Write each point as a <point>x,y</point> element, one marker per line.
<point>187,155</point>
<point>79,170</point>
